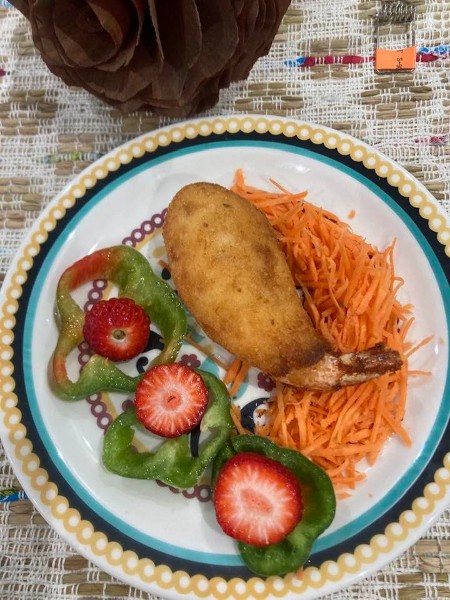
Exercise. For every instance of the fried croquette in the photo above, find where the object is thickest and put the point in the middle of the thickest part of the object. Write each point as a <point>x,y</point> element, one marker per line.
<point>232,275</point>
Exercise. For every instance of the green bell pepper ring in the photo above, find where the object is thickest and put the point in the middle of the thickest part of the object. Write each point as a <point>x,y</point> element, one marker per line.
<point>319,507</point>
<point>133,275</point>
<point>172,462</point>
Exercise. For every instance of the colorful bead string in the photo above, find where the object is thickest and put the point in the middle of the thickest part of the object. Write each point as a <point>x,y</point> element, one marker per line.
<point>424,54</point>
<point>10,495</point>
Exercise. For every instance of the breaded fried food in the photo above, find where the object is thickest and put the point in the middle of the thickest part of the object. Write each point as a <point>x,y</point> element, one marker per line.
<point>229,271</point>
<point>231,274</point>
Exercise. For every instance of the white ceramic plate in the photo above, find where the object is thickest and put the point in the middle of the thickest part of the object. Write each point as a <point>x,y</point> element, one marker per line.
<point>146,534</point>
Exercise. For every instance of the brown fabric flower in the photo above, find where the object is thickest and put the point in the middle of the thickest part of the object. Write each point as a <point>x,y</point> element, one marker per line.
<point>169,56</point>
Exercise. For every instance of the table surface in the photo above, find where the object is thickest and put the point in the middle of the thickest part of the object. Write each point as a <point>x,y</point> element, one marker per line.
<point>49,133</point>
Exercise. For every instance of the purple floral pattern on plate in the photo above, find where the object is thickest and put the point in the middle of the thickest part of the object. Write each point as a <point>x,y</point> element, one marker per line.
<point>265,382</point>
<point>191,359</point>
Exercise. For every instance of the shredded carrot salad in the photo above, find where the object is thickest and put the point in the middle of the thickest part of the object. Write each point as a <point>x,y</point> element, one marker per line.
<point>350,292</point>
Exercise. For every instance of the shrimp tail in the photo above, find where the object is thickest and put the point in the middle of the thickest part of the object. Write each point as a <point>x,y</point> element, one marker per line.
<point>334,371</point>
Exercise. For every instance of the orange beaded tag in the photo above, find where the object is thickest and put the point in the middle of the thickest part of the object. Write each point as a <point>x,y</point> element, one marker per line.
<point>395,60</point>
<point>395,48</point>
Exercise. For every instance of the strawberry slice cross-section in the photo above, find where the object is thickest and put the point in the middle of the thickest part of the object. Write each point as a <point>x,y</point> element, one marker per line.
<point>117,328</point>
<point>257,499</point>
<point>171,400</point>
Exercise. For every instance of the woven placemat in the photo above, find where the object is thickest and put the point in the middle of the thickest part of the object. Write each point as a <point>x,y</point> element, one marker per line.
<point>320,69</point>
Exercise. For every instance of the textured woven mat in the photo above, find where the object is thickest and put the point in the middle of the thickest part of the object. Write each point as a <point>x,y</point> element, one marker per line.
<point>49,132</point>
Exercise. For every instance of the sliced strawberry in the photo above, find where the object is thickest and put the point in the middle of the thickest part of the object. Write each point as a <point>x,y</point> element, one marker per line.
<point>117,328</point>
<point>171,400</point>
<point>257,499</point>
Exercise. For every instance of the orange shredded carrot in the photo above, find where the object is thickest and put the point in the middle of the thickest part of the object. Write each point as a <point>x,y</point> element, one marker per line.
<point>164,264</point>
<point>418,372</point>
<point>235,412</point>
<point>350,292</point>
<point>419,345</point>
<point>343,495</point>
<point>232,370</point>
<point>239,379</point>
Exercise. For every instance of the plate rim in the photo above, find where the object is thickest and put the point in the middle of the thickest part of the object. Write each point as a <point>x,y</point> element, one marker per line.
<point>329,577</point>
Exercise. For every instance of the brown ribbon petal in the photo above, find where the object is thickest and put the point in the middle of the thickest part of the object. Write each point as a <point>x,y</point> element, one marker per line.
<point>172,57</point>
<point>23,6</point>
<point>123,84</point>
<point>220,38</point>
<point>99,33</point>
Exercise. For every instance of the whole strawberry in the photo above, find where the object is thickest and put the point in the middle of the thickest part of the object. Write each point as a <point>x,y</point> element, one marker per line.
<point>117,328</point>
